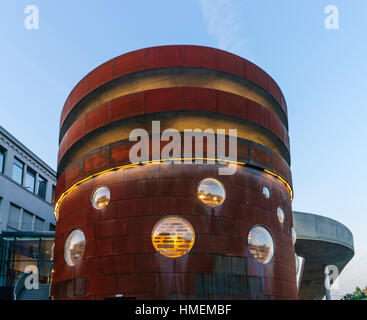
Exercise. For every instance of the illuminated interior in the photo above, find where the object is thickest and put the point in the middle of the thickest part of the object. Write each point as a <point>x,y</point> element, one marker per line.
<point>173,237</point>
<point>101,197</point>
<point>74,247</point>
<point>211,192</point>
<point>261,244</point>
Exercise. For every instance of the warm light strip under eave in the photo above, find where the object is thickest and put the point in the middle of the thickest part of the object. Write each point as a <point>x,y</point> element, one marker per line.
<point>153,162</point>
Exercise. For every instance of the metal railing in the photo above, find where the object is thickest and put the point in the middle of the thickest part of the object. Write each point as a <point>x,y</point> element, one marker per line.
<point>19,287</point>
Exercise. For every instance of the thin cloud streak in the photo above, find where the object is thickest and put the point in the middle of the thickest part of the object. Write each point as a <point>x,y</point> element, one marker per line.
<point>223,18</point>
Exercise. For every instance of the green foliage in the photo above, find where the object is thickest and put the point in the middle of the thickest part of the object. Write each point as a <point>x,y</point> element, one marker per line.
<point>358,294</point>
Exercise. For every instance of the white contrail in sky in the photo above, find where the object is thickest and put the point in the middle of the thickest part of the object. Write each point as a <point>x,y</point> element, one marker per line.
<point>223,18</point>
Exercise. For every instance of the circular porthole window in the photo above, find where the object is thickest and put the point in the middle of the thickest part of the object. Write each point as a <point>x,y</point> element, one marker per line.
<point>280,214</point>
<point>294,236</point>
<point>261,244</point>
<point>266,192</point>
<point>211,192</point>
<point>173,236</point>
<point>101,197</point>
<point>74,247</point>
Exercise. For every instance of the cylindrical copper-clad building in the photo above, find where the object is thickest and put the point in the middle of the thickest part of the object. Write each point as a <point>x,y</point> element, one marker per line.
<point>154,230</point>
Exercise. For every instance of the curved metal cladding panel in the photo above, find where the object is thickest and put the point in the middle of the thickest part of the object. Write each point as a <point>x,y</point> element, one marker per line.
<point>184,87</point>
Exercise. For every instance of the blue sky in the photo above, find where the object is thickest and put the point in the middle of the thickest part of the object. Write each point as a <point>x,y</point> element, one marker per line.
<point>321,72</point>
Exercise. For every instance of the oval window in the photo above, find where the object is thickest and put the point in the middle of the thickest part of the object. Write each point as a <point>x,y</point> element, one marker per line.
<point>261,244</point>
<point>101,197</point>
<point>74,247</point>
<point>211,192</point>
<point>266,192</point>
<point>280,214</point>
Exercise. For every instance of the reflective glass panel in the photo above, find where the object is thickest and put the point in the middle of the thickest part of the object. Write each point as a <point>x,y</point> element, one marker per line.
<point>261,244</point>
<point>47,247</point>
<point>74,247</point>
<point>211,192</point>
<point>14,216</point>
<point>2,160</point>
<point>42,183</point>
<point>266,192</point>
<point>39,224</point>
<point>27,221</point>
<point>18,171</point>
<point>30,181</point>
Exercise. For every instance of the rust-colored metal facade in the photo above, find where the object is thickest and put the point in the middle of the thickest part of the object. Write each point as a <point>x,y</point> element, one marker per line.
<point>183,87</point>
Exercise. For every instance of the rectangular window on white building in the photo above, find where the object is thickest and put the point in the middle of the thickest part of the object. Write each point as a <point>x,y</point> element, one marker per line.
<point>30,180</point>
<point>39,224</point>
<point>27,221</point>
<point>2,160</point>
<point>42,183</point>
<point>18,168</point>
<point>13,219</point>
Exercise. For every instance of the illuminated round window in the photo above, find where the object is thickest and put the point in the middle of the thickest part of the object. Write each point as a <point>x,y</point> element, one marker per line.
<point>211,192</point>
<point>101,197</point>
<point>280,214</point>
<point>74,247</point>
<point>261,244</point>
<point>266,192</point>
<point>294,236</point>
<point>173,236</point>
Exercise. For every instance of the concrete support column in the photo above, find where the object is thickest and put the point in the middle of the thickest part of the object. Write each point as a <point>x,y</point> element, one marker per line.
<point>327,283</point>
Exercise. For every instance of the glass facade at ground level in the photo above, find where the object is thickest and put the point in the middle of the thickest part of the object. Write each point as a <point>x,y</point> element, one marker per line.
<point>21,249</point>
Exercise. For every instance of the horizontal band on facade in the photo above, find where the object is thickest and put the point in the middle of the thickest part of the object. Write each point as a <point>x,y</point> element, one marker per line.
<point>162,161</point>
<point>171,78</point>
<point>174,100</point>
<point>120,130</point>
<point>117,154</point>
<point>172,56</point>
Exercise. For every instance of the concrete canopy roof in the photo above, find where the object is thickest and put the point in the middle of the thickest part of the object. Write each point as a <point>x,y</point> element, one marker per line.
<point>321,241</point>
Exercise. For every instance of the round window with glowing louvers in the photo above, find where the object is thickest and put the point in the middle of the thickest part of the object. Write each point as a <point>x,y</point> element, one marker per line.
<point>211,192</point>
<point>101,197</point>
<point>173,236</point>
